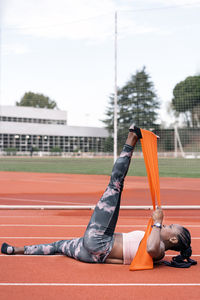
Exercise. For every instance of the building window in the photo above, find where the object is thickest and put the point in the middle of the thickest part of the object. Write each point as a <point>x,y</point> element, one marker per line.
<point>45,143</point>
<point>29,120</point>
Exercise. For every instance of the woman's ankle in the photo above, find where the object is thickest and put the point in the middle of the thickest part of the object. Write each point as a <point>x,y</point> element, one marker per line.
<point>19,250</point>
<point>132,139</point>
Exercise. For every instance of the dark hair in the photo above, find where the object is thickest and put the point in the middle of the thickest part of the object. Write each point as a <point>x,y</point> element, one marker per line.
<point>184,241</point>
<point>183,246</point>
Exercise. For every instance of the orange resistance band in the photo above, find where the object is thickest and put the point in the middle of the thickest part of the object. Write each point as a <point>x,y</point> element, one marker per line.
<point>142,260</point>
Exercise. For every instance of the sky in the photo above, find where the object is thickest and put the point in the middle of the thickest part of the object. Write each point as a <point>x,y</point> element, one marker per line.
<point>64,49</point>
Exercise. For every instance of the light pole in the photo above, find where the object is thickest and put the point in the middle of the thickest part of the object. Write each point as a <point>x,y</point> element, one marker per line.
<point>115,94</point>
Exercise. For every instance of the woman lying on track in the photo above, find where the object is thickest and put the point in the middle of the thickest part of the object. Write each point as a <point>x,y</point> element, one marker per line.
<point>100,244</point>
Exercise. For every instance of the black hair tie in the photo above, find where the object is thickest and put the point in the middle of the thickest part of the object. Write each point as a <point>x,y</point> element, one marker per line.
<point>186,253</point>
<point>183,260</point>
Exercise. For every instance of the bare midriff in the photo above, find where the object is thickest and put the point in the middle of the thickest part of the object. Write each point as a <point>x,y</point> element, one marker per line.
<point>117,250</point>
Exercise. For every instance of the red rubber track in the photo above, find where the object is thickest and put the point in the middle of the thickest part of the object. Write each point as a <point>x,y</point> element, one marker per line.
<point>60,269</point>
<point>60,189</point>
<point>80,280</point>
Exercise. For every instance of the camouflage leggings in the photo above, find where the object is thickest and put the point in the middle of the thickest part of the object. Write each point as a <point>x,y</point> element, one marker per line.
<point>97,242</point>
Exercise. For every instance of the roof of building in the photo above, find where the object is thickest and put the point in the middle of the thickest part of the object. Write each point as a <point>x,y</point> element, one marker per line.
<point>32,112</point>
<point>44,129</point>
<point>53,130</point>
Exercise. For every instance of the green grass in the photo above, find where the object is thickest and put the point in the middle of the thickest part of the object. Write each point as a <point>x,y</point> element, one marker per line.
<point>167,167</point>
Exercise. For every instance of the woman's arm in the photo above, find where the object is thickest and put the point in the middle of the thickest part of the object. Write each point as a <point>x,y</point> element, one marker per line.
<point>155,247</point>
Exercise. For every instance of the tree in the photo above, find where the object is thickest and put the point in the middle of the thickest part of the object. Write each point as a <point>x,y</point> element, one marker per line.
<point>137,103</point>
<point>186,100</point>
<point>36,100</point>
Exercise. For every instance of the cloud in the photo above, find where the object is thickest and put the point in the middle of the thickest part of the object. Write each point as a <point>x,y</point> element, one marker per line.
<point>92,20</point>
<point>57,19</point>
<point>18,49</point>
<point>183,3</point>
<point>89,20</point>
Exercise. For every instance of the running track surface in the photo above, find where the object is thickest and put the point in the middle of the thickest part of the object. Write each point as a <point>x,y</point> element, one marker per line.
<point>59,277</point>
<point>62,189</point>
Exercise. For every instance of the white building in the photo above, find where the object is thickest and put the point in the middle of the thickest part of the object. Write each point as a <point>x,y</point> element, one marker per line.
<point>25,127</point>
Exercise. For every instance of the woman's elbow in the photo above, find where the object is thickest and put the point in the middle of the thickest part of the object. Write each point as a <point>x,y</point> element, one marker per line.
<point>152,251</point>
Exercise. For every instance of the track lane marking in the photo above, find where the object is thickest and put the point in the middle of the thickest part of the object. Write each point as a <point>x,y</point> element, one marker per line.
<point>21,255</point>
<point>76,225</point>
<point>133,217</point>
<point>100,284</point>
<point>40,237</point>
<point>46,201</point>
<point>52,237</point>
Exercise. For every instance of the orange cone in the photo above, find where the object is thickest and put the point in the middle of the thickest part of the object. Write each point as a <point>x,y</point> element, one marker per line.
<point>142,260</point>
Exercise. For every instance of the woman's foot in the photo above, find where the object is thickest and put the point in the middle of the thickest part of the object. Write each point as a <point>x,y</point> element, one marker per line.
<point>136,130</point>
<point>7,249</point>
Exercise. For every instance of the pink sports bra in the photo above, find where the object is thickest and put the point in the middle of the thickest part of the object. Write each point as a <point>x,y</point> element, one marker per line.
<point>131,241</point>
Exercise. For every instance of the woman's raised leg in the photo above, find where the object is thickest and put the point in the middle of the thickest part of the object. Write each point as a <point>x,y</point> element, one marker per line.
<point>99,233</point>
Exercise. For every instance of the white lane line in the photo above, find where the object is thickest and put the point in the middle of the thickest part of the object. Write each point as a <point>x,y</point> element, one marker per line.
<point>53,237</point>
<point>21,255</point>
<point>133,218</point>
<point>41,180</point>
<point>46,201</point>
<point>36,225</point>
<point>81,225</point>
<point>171,255</point>
<point>99,284</point>
<point>39,237</point>
<point>182,217</point>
